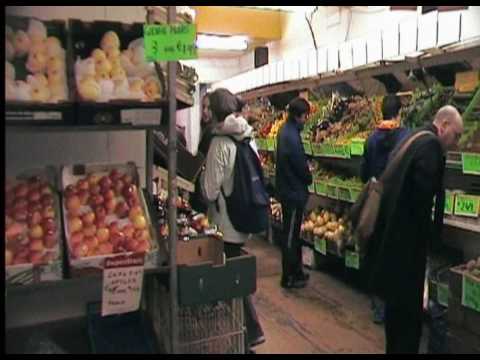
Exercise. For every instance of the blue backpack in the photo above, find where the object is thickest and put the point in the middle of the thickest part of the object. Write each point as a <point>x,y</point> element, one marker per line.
<point>248,204</point>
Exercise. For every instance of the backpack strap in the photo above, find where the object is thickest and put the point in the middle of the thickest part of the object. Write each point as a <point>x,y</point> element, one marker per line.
<point>395,162</point>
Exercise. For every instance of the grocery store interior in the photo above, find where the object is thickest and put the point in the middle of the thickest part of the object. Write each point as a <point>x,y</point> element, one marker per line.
<point>114,147</point>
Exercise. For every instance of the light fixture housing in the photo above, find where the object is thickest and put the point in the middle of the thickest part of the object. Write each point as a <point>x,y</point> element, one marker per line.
<point>222,42</point>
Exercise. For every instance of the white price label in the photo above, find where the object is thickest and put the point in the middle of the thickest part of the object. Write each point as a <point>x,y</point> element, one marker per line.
<point>141,116</point>
<point>122,284</point>
<point>307,256</point>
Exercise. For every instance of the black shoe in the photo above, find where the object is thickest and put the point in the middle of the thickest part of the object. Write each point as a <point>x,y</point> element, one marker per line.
<point>292,283</point>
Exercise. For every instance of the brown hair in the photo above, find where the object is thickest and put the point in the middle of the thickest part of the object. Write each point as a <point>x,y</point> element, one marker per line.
<point>224,103</point>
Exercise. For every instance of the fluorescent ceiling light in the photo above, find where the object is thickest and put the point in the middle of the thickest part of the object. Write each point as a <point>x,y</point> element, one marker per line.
<point>217,42</point>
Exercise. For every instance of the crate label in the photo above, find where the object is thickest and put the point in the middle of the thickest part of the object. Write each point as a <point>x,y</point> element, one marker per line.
<point>467,205</point>
<point>356,148</point>
<point>352,260</point>
<point>470,293</point>
<point>307,256</point>
<point>320,245</point>
<point>320,188</point>
<point>141,116</point>
<point>442,294</point>
<point>170,42</point>
<point>122,284</point>
<point>449,202</point>
<point>471,163</point>
<point>307,147</point>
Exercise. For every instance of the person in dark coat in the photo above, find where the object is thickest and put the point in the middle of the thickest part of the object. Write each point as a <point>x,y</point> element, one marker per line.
<point>293,177</point>
<point>379,146</point>
<point>405,230</point>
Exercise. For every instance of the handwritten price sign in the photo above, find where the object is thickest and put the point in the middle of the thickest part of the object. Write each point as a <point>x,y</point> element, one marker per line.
<point>122,284</point>
<point>170,42</point>
<point>467,205</point>
<point>471,163</point>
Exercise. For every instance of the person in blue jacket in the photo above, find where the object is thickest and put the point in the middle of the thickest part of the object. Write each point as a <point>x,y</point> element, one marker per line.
<point>293,177</point>
<point>379,146</point>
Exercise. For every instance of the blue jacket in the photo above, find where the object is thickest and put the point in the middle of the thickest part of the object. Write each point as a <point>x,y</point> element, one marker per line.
<point>379,146</point>
<point>292,175</point>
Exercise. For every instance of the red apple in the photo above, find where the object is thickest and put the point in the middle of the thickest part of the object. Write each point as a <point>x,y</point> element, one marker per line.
<point>21,190</point>
<point>75,224</point>
<point>105,248</point>
<point>130,190</point>
<point>34,206</point>
<point>118,187</point>
<point>36,231</point>
<point>128,230</point>
<point>20,215</point>
<point>8,257</point>
<point>115,175</point>
<point>84,196</point>
<point>131,244</point>
<point>100,213</point>
<point>133,201</point>
<point>103,234</point>
<point>50,239</point>
<point>36,245</point>
<point>91,242</point>
<point>33,196</point>
<point>109,194</point>
<point>76,238</point>
<point>96,200</point>
<point>36,257</point>
<point>47,200</point>
<point>127,179</point>
<point>88,218</point>
<point>110,205</point>
<point>80,250</point>
<point>134,211</point>
<point>89,230</point>
<point>74,204</point>
<point>82,184</point>
<point>139,222</point>
<point>93,179</point>
<point>122,210</point>
<point>142,235</point>
<point>143,246</point>
<point>20,204</point>
<point>117,238</point>
<point>49,224</point>
<point>70,191</point>
<point>34,218</point>
<point>95,190</point>
<point>113,227</point>
<point>105,183</point>
<point>48,212</point>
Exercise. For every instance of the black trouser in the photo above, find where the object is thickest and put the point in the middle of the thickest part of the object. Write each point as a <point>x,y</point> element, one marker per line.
<point>254,329</point>
<point>403,321</point>
<point>291,242</point>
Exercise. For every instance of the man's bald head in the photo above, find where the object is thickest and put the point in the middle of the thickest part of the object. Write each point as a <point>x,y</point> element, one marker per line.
<point>449,123</point>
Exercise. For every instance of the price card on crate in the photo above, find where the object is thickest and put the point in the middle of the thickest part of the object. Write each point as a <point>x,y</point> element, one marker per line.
<point>122,284</point>
<point>352,260</point>
<point>170,42</point>
<point>307,256</point>
<point>449,202</point>
<point>470,293</point>
<point>471,163</point>
<point>320,245</point>
<point>467,205</point>
<point>442,294</point>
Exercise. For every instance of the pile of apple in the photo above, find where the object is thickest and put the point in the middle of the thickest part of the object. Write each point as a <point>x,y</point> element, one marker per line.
<point>104,216</point>
<point>30,222</point>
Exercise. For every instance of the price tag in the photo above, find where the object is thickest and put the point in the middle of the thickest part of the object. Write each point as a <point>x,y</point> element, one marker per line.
<point>170,42</point>
<point>442,294</point>
<point>308,147</point>
<point>320,188</point>
<point>352,260</point>
<point>471,163</point>
<point>331,191</point>
<point>122,284</point>
<point>356,148</point>
<point>270,144</point>
<point>307,256</point>
<point>320,245</point>
<point>449,202</point>
<point>466,205</point>
<point>470,293</point>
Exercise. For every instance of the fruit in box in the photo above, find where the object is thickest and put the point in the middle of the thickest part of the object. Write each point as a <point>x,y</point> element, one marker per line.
<point>108,223</point>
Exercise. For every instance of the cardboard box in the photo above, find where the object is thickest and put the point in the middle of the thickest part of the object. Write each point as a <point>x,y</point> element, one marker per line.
<point>53,270</point>
<point>467,81</point>
<point>94,264</point>
<point>200,250</point>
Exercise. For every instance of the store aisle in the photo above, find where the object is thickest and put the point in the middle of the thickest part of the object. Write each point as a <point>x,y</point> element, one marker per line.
<point>328,316</point>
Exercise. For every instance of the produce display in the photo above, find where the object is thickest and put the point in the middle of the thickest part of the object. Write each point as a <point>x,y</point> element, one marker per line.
<point>473,267</point>
<point>104,215</point>
<point>335,179</point>
<point>330,226</point>
<point>35,65</point>
<point>117,71</point>
<point>32,233</point>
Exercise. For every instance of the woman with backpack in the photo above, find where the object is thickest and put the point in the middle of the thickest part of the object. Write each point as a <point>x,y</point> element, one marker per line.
<point>218,184</point>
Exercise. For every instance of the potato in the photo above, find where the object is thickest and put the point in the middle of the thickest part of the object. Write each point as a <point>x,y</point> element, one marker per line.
<point>320,221</point>
<point>333,217</point>
<point>313,216</point>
